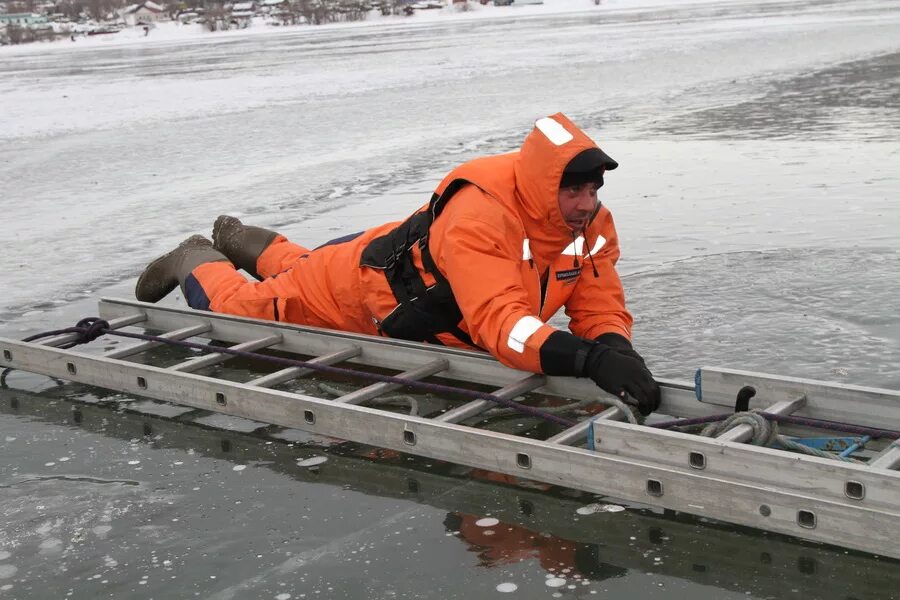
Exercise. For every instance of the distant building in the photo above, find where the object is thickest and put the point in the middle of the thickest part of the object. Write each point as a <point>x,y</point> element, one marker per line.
<point>188,17</point>
<point>242,14</point>
<point>22,19</point>
<point>145,12</point>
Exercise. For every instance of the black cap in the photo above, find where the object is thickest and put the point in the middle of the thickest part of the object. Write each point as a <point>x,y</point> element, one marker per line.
<point>588,165</point>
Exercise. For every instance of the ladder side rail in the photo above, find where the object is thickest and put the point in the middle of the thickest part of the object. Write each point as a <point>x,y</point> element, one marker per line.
<point>289,373</point>
<point>836,480</point>
<point>131,318</point>
<point>838,402</point>
<point>178,334</point>
<point>215,358</point>
<point>470,409</point>
<point>742,432</point>
<point>377,389</point>
<point>726,498</point>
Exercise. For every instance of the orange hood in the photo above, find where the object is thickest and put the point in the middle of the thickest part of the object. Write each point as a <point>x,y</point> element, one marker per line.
<point>553,142</point>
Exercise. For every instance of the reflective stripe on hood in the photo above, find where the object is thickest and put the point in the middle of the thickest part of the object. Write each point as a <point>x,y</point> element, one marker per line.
<point>553,142</point>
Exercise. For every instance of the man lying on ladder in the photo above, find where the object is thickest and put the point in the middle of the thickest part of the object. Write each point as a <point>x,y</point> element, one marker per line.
<point>504,243</point>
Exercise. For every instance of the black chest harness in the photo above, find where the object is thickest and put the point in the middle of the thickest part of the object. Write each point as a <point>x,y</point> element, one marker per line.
<point>422,312</point>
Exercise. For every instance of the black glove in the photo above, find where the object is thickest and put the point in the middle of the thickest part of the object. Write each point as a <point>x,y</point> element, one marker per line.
<point>621,370</point>
<point>615,341</point>
<point>620,343</point>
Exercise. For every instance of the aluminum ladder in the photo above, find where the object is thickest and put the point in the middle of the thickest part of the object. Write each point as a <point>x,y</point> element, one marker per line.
<point>853,505</point>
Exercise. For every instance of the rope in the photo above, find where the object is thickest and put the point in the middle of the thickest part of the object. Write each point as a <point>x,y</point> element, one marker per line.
<point>630,412</point>
<point>499,413</point>
<point>380,401</point>
<point>872,432</point>
<point>765,433</point>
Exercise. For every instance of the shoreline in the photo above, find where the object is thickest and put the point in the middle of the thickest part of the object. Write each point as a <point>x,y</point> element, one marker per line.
<point>169,32</point>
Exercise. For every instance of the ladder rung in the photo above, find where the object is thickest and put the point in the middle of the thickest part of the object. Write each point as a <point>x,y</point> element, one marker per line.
<point>889,458</point>
<point>190,366</point>
<point>742,433</point>
<point>273,379</point>
<point>377,389</point>
<point>470,409</point>
<point>178,334</point>
<point>65,338</point>
<point>577,432</point>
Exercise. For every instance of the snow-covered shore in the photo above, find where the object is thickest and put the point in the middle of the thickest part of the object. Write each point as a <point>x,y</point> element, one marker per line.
<point>173,32</point>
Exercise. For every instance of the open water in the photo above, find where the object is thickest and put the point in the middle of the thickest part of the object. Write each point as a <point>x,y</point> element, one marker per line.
<point>757,206</point>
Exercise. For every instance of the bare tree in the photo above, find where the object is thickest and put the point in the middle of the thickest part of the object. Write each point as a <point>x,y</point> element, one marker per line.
<point>16,34</point>
<point>72,10</point>
<point>216,18</point>
<point>98,9</point>
<point>353,10</point>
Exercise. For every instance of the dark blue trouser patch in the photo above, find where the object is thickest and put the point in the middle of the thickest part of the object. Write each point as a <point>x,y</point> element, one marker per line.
<point>344,238</point>
<point>195,294</point>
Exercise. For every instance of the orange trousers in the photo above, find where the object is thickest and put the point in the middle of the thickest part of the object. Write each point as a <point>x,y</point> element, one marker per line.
<point>317,288</point>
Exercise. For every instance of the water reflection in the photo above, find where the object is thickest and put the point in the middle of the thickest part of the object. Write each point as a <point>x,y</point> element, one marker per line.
<point>507,543</point>
<point>531,525</point>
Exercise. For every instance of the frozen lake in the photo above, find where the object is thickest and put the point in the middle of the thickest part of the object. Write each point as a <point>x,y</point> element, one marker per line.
<point>756,203</point>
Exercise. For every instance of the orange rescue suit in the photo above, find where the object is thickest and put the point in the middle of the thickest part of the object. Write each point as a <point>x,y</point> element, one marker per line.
<point>498,241</point>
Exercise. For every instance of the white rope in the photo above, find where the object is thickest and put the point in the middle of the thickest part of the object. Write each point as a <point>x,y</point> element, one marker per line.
<point>383,400</point>
<point>625,409</point>
<point>765,433</point>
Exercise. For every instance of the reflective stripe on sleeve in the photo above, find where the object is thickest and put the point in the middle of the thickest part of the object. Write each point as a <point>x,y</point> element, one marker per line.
<point>526,250</point>
<point>521,331</point>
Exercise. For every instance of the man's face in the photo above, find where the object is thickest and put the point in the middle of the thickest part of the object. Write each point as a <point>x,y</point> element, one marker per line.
<point>577,204</point>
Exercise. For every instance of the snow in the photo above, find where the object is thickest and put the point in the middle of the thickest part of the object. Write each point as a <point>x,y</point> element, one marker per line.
<point>7,571</point>
<point>312,461</point>
<point>591,509</point>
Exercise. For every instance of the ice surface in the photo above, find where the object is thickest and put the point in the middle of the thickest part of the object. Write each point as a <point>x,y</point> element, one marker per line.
<point>229,422</point>
<point>343,128</point>
<point>756,206</point>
